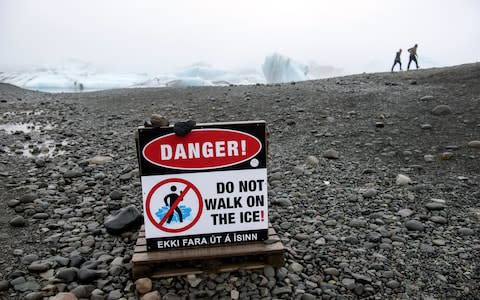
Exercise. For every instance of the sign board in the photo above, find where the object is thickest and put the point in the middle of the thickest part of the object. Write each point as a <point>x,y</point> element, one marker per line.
<point>206,188</point>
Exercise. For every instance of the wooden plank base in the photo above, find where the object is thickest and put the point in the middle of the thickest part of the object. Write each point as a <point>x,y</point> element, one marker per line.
<point>212,259</point>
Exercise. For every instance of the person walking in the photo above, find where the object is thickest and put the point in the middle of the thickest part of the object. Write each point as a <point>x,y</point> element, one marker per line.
<point>413,56</point>
<point>397,59</point>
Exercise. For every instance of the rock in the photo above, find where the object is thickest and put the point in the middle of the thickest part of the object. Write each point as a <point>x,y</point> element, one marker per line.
<point>4,285</point>
<point>73,173</point>
<point>76,261</point>
<point>68,274</point>
<point>438,220</point>
<point>83,291</point>
<point>40,216</point>
<point>34,296</point>
<point>405,212</point>
<point>158,121</point>
<point>414,225</point>
<point>379,124</point>
<point>302,236</point>
<point>331,271</point>
<point>435,206</point>
<point>403,180</point>
<point>358,223</point>
<point>374,237</point>
<point>281,290</point>
<point>39,266</point>
<point>447,155</point>
<point>143,285</point>
<point>116,195</point>
<point>193,280</point>
<point>234,295</point>
<point>30,258</point>
<point>99,160</point>
<point>31,286</point>
<point>349,283</point>
<point>312,161</point>
<point>439,242</point>
<point>65,296</point>
<point>352,240</point>
<point>308,296</point>
<point>114,295</point>
<point>370,193</point>
<point>295,267</point>
<point>13,202</point>
<point>426,98</point>
<point>87,275</point>
<point>40,163</point>
<point>441,110</point>
<point>298,170</point>
<point>284,202</point>
<point>330,222</point>
<point>183,128</point>
<point>18,221</point>
<point>28,198</point>
<point>362,278</point>
<point>269,271</point>
<point>427,248</point>
<point>155,295</point>
<point>474,144</point>
<point>466,231</point>
<point>125,219</point>
<point>393,284</point>
<point>429,158</point>
<point>331,154</point>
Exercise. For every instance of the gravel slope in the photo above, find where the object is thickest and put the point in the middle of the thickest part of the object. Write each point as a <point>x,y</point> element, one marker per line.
<point>353,228</point>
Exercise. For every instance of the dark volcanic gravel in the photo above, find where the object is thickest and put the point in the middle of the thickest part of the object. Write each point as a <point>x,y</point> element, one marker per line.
<point>374,187</point>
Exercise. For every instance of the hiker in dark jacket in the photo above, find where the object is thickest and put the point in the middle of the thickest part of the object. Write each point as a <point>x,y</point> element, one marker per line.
<point>413,56</point>
<point>397,60</point>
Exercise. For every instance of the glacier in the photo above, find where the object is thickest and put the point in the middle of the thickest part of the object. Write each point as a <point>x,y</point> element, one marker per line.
<point>78,76</point>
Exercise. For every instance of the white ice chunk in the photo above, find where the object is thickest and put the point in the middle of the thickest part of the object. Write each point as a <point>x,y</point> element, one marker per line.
<point>278,68</point>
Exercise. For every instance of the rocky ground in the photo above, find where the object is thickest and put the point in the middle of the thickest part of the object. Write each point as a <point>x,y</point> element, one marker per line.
<point>374,188</point>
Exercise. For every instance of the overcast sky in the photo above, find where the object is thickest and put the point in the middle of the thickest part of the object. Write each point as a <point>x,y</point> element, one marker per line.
<point>158,36</point>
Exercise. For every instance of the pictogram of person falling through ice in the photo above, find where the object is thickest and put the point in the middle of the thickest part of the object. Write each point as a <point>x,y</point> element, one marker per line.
<point>170,200</point>
<point>180,214</point>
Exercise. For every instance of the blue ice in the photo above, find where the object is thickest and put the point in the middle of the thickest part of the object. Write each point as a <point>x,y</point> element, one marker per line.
<point>186,213</point>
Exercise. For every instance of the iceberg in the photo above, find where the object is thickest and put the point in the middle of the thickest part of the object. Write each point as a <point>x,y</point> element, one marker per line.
<point>278,68</point>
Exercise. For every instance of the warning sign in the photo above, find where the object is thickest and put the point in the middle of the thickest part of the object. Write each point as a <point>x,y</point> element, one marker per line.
<point>207,188</point>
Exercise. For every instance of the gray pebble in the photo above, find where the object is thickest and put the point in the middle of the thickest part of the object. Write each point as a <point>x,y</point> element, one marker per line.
<point>435,206</point>
<point>438,219</point>
<point>4,285</point>
<point>331,154</point>
<point>466,231</point>
<point>393,284</point>
<point>18,221</point>
<point>331,271</point>
<point>39,266</point>
<point>370,193</point>
<point>414,225</point>
<point>441,110</point>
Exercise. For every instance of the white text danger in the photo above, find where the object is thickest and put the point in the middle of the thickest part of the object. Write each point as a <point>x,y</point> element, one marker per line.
<point>202,150</point>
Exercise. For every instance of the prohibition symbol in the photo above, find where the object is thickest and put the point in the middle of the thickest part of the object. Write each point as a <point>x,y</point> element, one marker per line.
<point>173,207</point>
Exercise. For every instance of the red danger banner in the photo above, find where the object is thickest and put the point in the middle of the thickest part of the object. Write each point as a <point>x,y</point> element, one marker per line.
<point>202,149</point>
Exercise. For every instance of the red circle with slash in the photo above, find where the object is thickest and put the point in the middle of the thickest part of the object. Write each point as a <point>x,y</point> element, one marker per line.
<point>188,186</point>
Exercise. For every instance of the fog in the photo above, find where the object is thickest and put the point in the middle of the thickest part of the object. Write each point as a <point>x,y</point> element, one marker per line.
<point>160,36</point>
